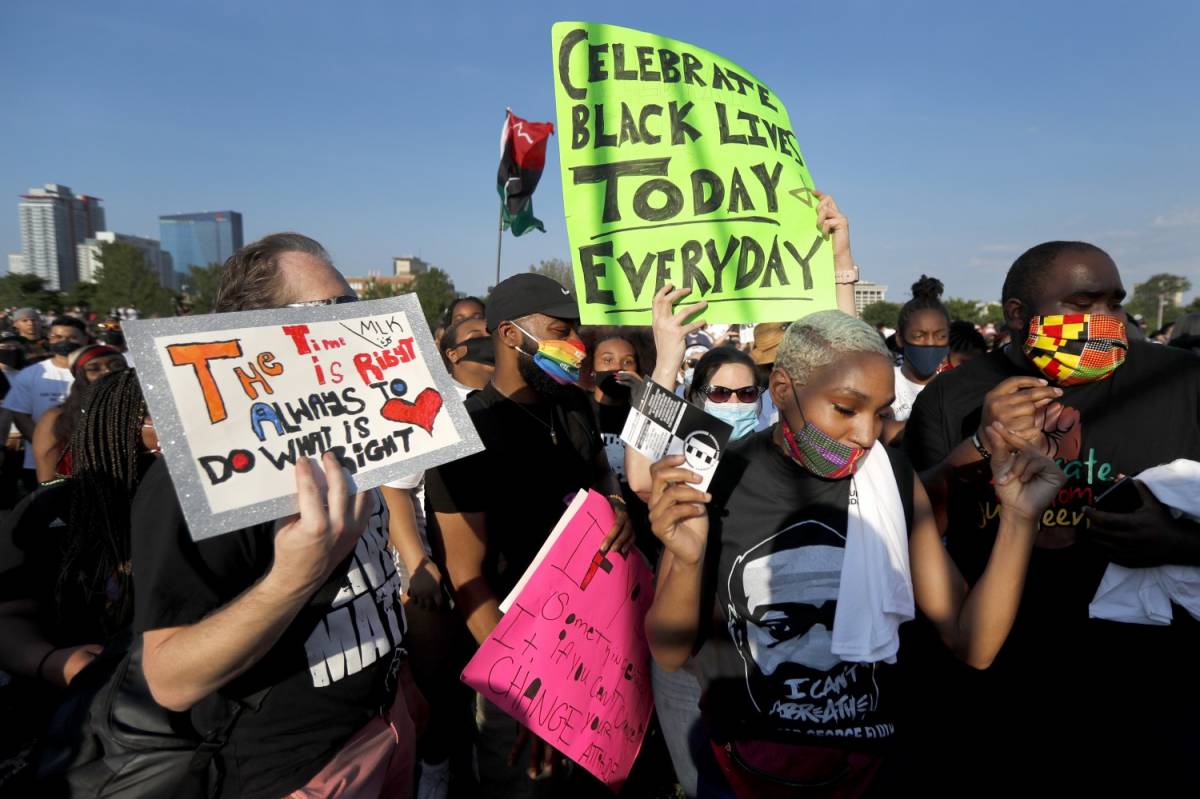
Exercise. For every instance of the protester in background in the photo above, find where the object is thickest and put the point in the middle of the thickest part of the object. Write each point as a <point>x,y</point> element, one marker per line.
<point>923,335</point>
<point>53,431</point>
<point>966,343</point>
<point>464,308</point>
<point>12,457</point>
<point>28,324</point>
<point>65,583</point>
<point>807,535</point>
<point>692,354</point>
<point>469,354</point>
<point>436,631</point>
<point>44,385</point>
<point>1186,333</point>
<point>495,508</point>
<point>614,371</point>
<point>224,618</point>
<point>767,336</point>
<point>1073,386</point>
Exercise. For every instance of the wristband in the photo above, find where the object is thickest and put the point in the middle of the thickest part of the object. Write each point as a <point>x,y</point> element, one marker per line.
<point>846,277</point>
<point>980,448</point>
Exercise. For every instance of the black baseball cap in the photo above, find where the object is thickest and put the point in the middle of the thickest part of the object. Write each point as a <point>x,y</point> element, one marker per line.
<point>529,293</point>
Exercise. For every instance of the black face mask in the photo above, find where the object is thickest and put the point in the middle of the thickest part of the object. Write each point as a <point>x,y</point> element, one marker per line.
<point>607,382</point>
<point>64,348</point>
<point>13,359</point>
<point>480,350</point>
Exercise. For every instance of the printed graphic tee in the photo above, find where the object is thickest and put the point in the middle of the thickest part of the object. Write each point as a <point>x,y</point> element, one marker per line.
<point>906,395</point>
<point>35,390</point>
<point>328,675</point>
<point>1056,659</point>
<point>777,539</point>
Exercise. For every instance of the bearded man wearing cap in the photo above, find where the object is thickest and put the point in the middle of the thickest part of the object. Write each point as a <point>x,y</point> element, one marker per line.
<point>494,509</point>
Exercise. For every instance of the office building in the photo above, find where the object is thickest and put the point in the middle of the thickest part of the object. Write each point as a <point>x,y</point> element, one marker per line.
<point>199,239</point>
<point>88,256</point>
<point>408,265</point>
<point>866,292</point>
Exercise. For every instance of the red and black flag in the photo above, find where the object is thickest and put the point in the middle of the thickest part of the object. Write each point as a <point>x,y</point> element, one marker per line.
<point>522,156</point>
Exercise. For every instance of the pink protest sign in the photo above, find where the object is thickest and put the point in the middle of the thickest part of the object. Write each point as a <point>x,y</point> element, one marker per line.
<point>569,659</point>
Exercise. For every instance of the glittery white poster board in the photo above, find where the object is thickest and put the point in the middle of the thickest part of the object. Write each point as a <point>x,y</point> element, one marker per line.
<point>236,398</point>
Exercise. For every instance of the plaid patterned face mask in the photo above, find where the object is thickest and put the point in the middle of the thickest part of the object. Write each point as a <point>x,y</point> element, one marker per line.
<point>1071,349</point>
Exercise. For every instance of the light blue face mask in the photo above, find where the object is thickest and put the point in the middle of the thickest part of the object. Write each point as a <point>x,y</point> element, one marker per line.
<point>741,416</point>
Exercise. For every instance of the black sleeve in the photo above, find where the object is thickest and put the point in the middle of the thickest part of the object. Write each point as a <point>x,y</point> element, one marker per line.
<point>905,479</point>
<point>459,486</point>
<point>926,437</point>
<point>179,581</point>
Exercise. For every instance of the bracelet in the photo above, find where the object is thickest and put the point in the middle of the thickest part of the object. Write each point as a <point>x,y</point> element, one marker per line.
<point>616,498</point>
<point>42,662</point>
<point>979,447</point>
<point>846,277</point>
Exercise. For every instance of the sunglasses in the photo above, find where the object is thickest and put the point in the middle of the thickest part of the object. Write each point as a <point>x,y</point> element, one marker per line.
<point>342,300</point>
<point>723,394</point>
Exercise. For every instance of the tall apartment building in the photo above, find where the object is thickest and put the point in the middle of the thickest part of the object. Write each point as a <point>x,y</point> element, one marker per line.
<point>54,221</point>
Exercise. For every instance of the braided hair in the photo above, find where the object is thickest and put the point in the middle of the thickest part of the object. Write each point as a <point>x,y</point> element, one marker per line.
<point>926,296</point>
<point>105,447</point>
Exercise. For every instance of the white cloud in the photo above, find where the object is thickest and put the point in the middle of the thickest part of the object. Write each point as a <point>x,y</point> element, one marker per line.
<point>1187,217</point>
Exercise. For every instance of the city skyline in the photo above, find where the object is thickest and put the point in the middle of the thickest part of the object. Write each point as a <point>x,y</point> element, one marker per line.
<point>953,136</point>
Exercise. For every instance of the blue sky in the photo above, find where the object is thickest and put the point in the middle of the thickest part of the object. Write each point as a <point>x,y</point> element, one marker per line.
<point>953,134</point>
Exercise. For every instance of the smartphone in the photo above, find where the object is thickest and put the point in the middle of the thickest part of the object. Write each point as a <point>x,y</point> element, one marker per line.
<point>1122,497</point>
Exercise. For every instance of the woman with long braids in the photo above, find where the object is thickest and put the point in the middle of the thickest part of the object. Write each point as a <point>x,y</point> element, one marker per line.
<point>53,431</point>
<point>65,587</point>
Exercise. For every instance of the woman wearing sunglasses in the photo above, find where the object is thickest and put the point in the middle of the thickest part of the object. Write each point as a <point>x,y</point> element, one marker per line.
<point>725,384</point>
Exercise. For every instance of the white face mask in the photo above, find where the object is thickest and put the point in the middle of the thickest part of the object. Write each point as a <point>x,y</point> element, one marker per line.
<point>741,416</point>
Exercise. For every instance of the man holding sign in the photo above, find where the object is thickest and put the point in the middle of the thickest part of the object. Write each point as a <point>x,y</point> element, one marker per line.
<point>256,618</point>
<point>495,509</point>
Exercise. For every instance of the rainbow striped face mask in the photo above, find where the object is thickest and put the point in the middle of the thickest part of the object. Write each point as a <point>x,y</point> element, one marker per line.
<point>559,358</point>
<point>1070,349</point>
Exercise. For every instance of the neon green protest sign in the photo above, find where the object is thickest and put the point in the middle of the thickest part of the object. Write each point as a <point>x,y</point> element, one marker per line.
<point>680,167</point>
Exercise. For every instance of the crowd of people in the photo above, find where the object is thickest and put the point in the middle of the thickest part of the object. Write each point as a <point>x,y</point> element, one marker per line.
<point>907,573</point>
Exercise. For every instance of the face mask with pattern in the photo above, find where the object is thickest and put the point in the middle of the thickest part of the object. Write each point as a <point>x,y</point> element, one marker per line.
<point>817,451</point>
<point>1071,349</point>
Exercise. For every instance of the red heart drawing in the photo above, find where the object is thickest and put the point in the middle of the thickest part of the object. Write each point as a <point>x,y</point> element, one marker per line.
<point>421,413</point>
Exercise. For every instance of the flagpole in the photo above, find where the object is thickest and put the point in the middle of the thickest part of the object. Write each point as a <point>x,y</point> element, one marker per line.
<point>500,236</point>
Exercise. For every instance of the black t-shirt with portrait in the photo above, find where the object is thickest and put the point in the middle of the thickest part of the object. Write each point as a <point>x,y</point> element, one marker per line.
<point>772,573</point>
<point>1061,676</point>
<point>332,670</point>
<point>523,478</point>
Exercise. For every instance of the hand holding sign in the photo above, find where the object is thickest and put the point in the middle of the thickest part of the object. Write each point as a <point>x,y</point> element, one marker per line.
<point>678,512</point>
<point>311,543</point>
<point>671,330</point>
<point>240,399</point>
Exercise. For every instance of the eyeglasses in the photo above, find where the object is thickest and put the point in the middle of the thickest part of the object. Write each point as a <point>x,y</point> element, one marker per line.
<point>723,394</point>
<point>340,300</point>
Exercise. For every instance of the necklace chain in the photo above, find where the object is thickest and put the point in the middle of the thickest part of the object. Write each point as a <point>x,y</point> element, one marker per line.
<point>548,424</point>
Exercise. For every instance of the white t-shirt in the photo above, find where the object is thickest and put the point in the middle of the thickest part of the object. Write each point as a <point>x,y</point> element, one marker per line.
<point>37,389</point>
<point>906,395</point>
<point>415,484</point>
